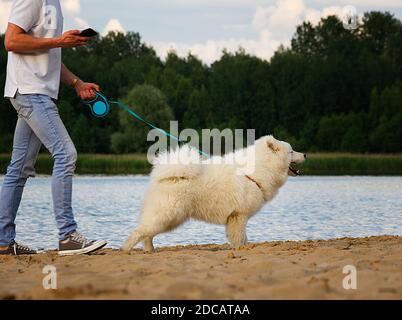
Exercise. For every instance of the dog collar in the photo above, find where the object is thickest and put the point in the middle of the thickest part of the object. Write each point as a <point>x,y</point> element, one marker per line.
<point>257,183</point>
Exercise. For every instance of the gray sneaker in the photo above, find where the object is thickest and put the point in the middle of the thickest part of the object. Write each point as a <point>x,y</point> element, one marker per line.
<point>17,249</point>
<point>76,243</point>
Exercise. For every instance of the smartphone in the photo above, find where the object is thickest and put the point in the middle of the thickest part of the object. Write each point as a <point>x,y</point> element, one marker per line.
<point>88,33</point>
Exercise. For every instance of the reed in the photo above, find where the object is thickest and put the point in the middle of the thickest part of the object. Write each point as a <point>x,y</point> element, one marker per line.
<point>316,164</point>
<point>352,164</point>
<point>93,164</point>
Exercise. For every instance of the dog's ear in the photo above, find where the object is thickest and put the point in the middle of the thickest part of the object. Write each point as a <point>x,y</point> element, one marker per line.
<point>273,144</point>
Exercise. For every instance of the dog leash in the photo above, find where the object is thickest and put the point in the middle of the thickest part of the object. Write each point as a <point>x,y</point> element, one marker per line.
<point>100,107</point>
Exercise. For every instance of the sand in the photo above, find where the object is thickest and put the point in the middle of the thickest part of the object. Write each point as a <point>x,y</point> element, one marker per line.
<point>271,270</point>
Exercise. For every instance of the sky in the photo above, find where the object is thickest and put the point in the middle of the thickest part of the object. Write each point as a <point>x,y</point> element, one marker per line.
<point>206,27</point>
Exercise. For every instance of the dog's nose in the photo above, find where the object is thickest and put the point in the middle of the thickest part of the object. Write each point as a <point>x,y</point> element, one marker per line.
<point>305,156</point>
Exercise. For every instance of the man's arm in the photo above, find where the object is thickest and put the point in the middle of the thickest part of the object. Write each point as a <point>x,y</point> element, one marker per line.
<point>18,41</point>
<point>84,90</point>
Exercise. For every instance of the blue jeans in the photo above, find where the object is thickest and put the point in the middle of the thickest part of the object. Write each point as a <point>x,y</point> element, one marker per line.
<point>38,123</point>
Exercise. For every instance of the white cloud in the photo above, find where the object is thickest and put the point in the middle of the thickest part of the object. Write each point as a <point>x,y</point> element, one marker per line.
<point>211,50</point>
<point>274,25</point>
<point>5,8</point>
<point>71,6</point>
<point>285,15</point>
<point>314,16</point>
<point>72,9</point>
<point>113,25</point>
<point>281,17</point>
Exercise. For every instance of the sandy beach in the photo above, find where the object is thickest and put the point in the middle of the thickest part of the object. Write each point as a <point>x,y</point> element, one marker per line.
<point>271,270</point>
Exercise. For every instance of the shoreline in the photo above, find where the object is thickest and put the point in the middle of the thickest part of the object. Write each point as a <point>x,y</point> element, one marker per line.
<point>320,164</point>
<point>310,269</point>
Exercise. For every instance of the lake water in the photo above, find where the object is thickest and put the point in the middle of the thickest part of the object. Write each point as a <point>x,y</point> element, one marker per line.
<point>306,208</point>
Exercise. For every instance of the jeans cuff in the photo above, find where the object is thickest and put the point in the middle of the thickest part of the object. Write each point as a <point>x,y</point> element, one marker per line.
<point>64,235</point>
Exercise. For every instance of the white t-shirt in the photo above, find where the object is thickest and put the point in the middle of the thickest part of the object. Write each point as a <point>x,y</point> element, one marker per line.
<point>37,72</point>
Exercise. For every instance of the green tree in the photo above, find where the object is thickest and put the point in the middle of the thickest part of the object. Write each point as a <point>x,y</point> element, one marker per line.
<point>332,89</point>
<point>149,103</point>
<point>344,132</point>
<point>198,114</point>
<point>386,118</point>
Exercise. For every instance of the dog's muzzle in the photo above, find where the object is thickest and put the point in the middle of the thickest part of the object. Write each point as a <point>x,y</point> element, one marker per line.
<point>292,170</point>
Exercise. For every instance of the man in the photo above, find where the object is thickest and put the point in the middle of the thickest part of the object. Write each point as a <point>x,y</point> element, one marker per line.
<point>34,40</point>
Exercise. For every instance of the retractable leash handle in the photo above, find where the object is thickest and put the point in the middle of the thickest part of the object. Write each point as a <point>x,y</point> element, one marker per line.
<point>99,106</point>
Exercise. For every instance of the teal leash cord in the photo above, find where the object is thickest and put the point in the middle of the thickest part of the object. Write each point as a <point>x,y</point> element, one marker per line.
<point>138,117</point>
<point>103,99</point>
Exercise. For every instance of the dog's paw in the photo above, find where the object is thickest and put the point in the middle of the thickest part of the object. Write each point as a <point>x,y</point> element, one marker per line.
<point>125,248</point>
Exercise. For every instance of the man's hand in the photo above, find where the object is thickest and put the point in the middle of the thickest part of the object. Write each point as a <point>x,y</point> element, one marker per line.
<point>18,41</point>
<point>71,39</point>
<point>86,90</point>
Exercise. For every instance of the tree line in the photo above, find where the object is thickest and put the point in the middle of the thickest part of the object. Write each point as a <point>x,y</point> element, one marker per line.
<point>333,89</point>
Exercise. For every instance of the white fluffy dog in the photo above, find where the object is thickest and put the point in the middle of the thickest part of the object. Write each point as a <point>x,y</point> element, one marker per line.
<point>213,191</point>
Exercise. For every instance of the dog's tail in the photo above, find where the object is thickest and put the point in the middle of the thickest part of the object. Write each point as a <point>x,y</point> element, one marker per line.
<point>182,163</point>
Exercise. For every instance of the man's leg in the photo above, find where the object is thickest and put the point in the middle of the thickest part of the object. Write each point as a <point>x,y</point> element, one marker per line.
<point>45,122</point>
<point>26,147</point>
<point>41,115</point>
